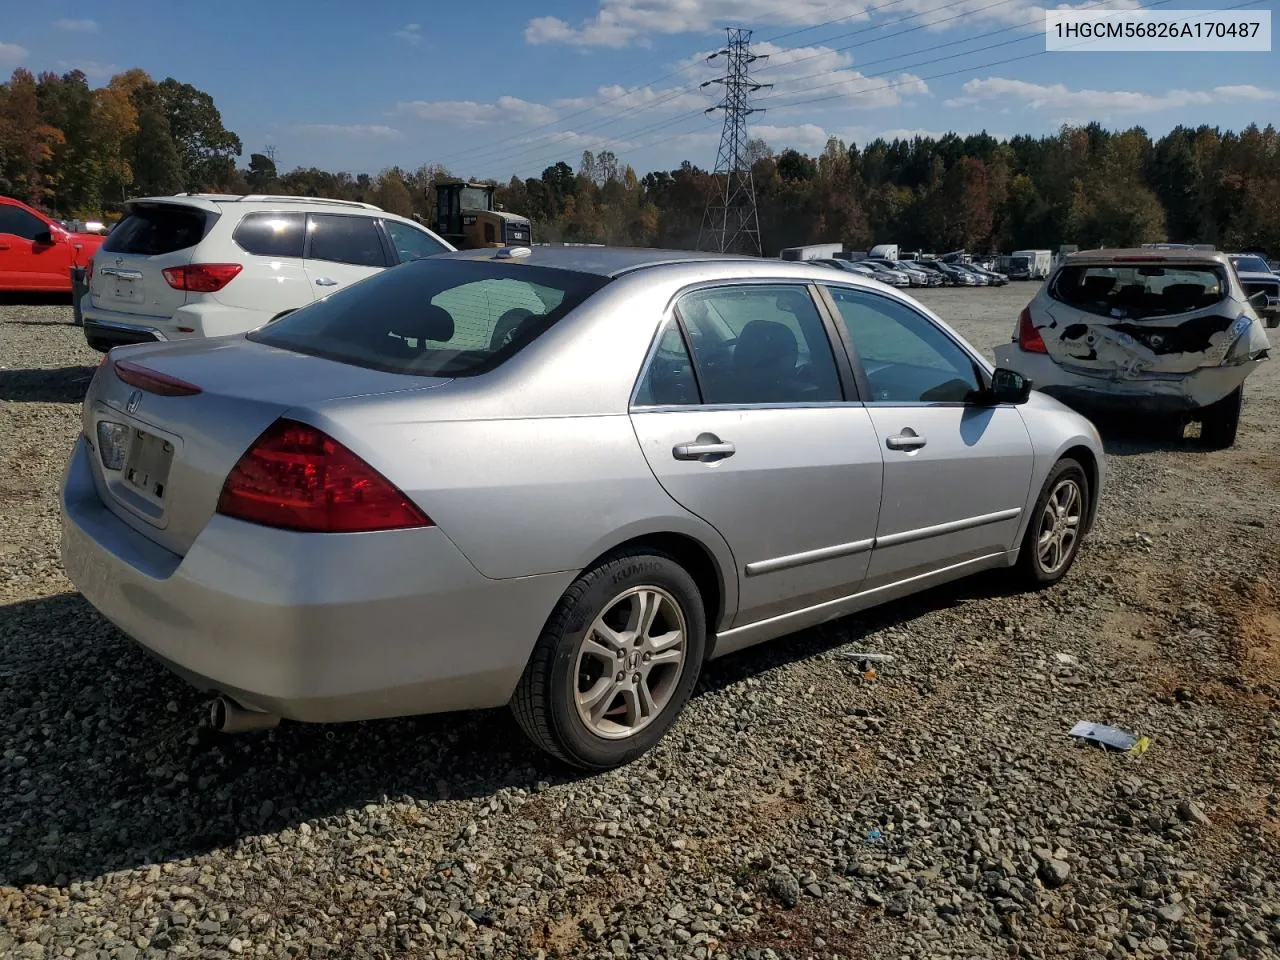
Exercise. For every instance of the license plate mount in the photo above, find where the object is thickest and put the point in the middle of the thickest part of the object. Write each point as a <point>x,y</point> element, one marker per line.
<point>147,469</point>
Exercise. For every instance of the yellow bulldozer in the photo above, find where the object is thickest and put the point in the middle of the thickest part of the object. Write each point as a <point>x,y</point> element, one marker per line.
<point>467,217</point>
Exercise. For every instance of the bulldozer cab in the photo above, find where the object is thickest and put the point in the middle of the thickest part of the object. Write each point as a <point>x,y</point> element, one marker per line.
<point>467,218</point>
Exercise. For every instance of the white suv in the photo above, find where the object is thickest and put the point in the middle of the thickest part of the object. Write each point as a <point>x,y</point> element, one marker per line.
<point>209,265</point>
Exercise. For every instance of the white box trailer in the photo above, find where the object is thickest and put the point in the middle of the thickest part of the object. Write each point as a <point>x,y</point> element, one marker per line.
<point>814,251</point>
<point>884,251</point>
<point>1040,262</point>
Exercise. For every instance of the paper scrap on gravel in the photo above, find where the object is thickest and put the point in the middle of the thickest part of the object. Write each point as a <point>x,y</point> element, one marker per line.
<point>1111,737</point>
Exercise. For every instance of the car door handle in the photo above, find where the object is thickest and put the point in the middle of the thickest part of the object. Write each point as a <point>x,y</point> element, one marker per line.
<point>700,449</point>
<point>905,441</point>
<point>325,282</point>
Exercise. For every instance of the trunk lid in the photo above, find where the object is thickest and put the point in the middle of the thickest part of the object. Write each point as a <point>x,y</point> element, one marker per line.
<point>1136,321</point>
<point>128,269</point>
<point>173,453</point>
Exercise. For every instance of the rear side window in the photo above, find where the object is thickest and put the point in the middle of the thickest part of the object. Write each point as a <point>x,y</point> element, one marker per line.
<point>152,231</point>
<point>353,240</point>
<point>1140,289</point>
<point>411,243</point>
<point>434,318</point>
<point>272,234</point>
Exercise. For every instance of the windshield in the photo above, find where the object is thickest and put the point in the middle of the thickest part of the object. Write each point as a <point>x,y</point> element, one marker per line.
<point>1250,265</point>
<point>1140,290</point>
<point>473,198</point>
<point>434,318</point>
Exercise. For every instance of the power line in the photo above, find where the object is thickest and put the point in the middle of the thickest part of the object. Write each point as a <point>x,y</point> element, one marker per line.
<point>890,36</point>
<point>826,23</point>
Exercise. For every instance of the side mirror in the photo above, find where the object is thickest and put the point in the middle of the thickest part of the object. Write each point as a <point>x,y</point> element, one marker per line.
<point>1008,387</point>
<point>43,239</point>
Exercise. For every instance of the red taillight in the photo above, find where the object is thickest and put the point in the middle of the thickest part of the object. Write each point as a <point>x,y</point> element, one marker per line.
<point>1029,338</point>
<point>201,277</point>
<point>153,381</point>
<point>295,477</point>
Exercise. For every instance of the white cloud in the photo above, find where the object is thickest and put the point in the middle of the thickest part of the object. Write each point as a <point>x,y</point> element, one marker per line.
<point>375,130</point>
<point>410,33</point>
<point>801,136</point>
<point>617,98</point>
<point>803,73</point>
<point>76,26</point>
<point>12,53</point>
<point>1058,97</point>
<point>473,113</point>
<point>91,68</point>
<point>618,23</point>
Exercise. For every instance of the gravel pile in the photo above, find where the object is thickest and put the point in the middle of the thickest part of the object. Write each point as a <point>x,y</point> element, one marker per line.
<point>799,809</point>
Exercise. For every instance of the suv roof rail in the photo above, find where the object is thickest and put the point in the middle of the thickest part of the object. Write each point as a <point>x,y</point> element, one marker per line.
<point>279,198</point>
<point>275,198</point>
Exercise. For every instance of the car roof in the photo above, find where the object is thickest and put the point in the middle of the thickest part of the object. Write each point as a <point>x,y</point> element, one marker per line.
<point>602,261</point>
<point>1147,253</point>
<point>214,202</point>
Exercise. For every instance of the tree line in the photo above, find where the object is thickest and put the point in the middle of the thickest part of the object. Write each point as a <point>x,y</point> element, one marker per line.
<point>79,151</point>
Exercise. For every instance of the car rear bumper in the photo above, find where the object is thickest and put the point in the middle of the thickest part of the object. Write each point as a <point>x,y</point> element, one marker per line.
<point>193,320</point>
<point>1176,393</point>
<point>313,627</point>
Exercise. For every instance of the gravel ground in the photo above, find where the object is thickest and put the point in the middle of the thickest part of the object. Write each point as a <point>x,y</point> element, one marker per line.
<point>798,809</point>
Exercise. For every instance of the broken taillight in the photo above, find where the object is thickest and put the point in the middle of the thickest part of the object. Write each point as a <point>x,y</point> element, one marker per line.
<point>296,477</point>
<point>1029,338</point>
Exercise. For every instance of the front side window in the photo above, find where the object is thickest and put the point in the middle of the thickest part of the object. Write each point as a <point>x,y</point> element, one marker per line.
<point>1121,290</point>
<point>906,357</point>
<point>760,344</point>
<point>1250,265</point>
<point>19,223</point>
<point>342,239</point>
<point>272,234</point>
<point>434,317</point>
<point>412,243</point>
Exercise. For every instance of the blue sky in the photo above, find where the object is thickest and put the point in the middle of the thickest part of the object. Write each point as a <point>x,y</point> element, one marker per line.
<point>511,86</point>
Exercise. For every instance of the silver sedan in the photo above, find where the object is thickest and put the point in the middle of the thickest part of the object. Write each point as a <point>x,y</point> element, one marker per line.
<point>559,479</point>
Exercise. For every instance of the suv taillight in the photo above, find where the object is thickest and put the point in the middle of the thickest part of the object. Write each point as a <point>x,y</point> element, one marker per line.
<point>296,477</point>
<point>201,277</point>
<point>1029,338</point>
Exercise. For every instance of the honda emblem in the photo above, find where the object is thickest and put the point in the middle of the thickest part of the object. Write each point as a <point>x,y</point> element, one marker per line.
<point>135,398</point>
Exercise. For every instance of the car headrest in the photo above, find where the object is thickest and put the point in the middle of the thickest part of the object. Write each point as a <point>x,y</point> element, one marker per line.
<point>507,326</point>
<point>429,323</point>
<point>766,343</point>
<point>1097,286</point>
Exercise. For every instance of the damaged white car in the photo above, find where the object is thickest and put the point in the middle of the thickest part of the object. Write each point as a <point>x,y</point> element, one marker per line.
<point>1170,333</point>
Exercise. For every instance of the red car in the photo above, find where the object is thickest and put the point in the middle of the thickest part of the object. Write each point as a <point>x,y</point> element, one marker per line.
<point>37,253</point>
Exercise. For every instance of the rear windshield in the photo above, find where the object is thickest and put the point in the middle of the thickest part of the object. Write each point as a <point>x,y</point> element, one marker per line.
<point>151,231</point>
<point>434,318</point>
<point>1140,290</point>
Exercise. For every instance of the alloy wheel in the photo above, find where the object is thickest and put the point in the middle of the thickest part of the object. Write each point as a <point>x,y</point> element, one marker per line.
<point>629,662</point>
<point>1059,526</point>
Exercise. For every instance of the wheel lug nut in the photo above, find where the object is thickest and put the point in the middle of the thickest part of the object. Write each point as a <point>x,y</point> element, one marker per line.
<point>636,678</point>
<point>621,676</point>
<point>647,657</point>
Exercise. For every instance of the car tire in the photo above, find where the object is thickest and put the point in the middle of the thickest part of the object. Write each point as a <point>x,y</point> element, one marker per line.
<point>1219,422</point>
<point>570,701</point>
<point>1057,512</point>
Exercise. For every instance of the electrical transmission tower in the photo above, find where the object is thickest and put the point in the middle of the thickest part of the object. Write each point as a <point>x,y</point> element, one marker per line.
<point>731,222</point>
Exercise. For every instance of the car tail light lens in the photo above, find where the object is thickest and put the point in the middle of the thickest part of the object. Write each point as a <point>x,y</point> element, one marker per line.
<point>113,443</point>
<point>295,477</point>
<point>1029,338</point>
<point>201,277</point>
<point>153,381</point>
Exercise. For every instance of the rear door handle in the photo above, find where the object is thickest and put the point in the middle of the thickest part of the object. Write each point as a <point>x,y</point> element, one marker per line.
<point>905,441</point>
<point>703,450</point>
<point>326,282</point>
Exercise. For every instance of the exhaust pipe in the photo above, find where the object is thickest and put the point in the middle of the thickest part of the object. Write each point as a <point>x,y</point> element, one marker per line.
<point>228,716</point>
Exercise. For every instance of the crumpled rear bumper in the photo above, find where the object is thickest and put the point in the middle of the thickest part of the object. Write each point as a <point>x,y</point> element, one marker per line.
<point>1175,393</point>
